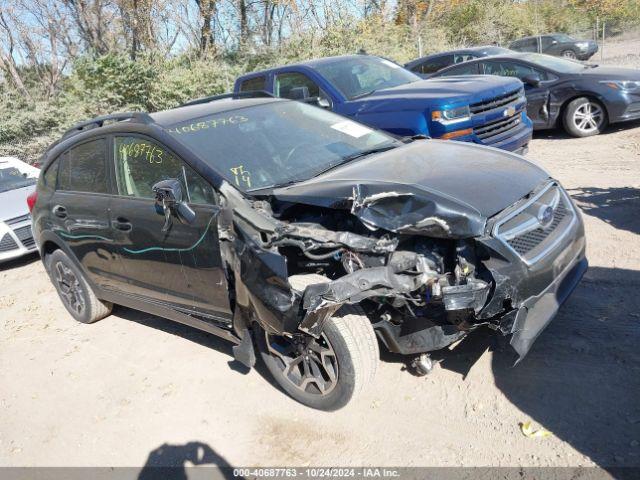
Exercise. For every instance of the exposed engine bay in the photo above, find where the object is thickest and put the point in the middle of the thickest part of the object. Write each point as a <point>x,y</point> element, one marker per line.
<point>421,292</point>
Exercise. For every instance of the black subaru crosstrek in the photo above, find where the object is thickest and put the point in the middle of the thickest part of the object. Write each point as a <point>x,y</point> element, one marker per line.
<point>304,236</point>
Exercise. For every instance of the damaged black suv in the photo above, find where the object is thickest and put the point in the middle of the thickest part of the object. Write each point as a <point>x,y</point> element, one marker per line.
<point>303,236</point>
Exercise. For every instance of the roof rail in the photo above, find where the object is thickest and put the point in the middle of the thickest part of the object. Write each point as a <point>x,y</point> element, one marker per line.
<point>96,122</point>
<point>213,98</point>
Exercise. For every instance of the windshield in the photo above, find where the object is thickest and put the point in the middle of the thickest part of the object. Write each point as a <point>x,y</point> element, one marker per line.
<point>12,178</point>
<point>359,76</point>
<point>276,143</point>
<point>561,37</point>
<point>559,65</point>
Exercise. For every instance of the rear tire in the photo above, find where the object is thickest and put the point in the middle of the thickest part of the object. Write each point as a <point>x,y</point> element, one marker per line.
<point>73,289</point>
<point>569,54</point>
<point>584,117</point>
<point>347,364</point>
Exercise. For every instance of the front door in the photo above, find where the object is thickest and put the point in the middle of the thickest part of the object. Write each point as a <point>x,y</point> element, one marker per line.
<point>180,267</point>
<point>537,97</point>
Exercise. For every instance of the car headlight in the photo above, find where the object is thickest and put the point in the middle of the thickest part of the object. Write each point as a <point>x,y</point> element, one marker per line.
<point>624,85</point>
<point>582,45</point>
<point>451,115</point>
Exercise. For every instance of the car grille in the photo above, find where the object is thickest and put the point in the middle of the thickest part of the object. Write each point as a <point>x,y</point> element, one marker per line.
<point>16,220</point>
<point>496,128</point>
<point>496,102</point>
<point>25,235</point>
<point>7,243</point>
<point>529,233</point>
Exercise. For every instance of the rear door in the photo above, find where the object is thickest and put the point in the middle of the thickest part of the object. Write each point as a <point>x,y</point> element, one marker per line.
<point>548,45</point>
<point>180,268</point>
<point>80,209</point>
<point>526,45</point>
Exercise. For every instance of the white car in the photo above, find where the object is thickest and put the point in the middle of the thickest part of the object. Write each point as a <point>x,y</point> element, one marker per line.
<point>17,181</point>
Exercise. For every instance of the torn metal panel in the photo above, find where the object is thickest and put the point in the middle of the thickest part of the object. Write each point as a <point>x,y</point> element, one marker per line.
<point>406,212</point>
<point>324,238</point>
<point>361,284</point>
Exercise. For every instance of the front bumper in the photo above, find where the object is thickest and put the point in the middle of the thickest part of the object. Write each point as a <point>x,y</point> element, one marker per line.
<point>16,240</point>
<point>537,311</point>
<point>588,53</point>
<point>621,106</point>
<point>529,292</point>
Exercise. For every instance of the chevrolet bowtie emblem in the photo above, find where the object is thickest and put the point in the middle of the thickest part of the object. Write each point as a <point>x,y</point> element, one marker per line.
<point>509,112</point>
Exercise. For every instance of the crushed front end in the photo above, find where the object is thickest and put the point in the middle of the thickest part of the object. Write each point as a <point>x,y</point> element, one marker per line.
<point>425,272</point>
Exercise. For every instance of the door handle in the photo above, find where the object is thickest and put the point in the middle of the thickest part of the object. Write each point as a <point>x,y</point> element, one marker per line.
<point>60,211</point>
<point>122,224</point>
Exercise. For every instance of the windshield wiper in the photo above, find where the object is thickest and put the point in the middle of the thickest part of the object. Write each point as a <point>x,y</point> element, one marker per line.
<point>355,97</point>
<point>355,156</point>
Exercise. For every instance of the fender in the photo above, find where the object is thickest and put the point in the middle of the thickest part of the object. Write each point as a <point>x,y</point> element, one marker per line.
<point>49,237</point>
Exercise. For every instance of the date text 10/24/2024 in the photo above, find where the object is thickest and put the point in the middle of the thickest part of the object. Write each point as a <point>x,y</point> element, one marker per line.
<point>318,472</point>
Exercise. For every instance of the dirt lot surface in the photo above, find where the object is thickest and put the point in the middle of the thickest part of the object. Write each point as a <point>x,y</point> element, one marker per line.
<point>134,388</point>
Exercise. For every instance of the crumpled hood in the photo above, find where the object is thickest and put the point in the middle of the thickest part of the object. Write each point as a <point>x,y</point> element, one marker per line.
<point>463,89</point>
<point>13,203</point>
<point>432,187</point>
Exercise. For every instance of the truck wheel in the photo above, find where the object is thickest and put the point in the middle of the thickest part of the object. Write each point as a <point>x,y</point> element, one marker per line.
<point>569,54</point>
<point>327,372</point>
<point>74,291</point>
<point>584,117</point>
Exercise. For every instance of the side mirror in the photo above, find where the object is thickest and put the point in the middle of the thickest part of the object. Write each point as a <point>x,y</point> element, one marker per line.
<point>169,201</point>
<point>533,80</point>
<point>298,93</point>
<point>324,103</point>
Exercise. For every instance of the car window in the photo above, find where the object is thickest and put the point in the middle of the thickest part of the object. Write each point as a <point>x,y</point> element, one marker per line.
<point>286,82</point>
<point>546,42</point>
<point>563,38</point>
<point>50,175</point>
<point>141,163</point>
<point>465,69</point>
<point>254,84</point>
<point>432,65</point>
<point>526,45</point>
<point>512,69</point>
<point>462,57</point>
<point>561,65</point>
<point>84,168</point>
<point>362,75</point>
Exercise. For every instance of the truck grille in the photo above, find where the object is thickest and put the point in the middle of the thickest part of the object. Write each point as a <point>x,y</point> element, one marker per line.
<point>496,102</point>
<point>25,235</point>
<point>534,229</point>
<point>496,128</point>
<point>7,243</point>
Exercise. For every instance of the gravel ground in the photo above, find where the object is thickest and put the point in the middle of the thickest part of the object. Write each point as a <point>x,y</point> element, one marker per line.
<point>135,389</point>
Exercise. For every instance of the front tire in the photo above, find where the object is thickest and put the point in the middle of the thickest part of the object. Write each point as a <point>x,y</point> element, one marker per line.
<point>328,372</point>
<point>584,117</point>
<point>74,291</point>
<point>569,54</point>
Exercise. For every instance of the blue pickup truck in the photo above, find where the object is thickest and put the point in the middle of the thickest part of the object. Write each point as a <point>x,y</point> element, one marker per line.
<point>482,109</point>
